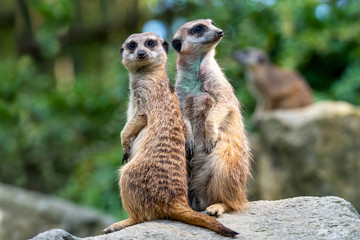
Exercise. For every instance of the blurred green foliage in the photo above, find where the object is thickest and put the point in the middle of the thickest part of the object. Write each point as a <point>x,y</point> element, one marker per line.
<point>63,89</point>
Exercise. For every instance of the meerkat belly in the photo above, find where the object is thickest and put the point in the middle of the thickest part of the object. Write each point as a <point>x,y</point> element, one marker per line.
<point>156,174</point>
<point>138,143</point>
<point>197,108</point>
<point>146,187</point>
<point>211,174</point>
<point>202,165</point>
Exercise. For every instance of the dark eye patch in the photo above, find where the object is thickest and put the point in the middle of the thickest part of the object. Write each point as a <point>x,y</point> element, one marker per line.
<point>198,29</point>
<point>150,43</point>
<point>132,45</point>
<point>213,23</point>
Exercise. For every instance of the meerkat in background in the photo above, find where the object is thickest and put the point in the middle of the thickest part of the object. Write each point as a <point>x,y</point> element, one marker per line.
<point>217,140</point>
<point>153,183</point>
<point>272,87</point>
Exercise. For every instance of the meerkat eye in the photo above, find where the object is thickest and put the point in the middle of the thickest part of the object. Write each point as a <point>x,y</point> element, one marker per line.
<point>198,29</point>
<point>150,43</point>
<point>212,23</point>
<point>132,45</point>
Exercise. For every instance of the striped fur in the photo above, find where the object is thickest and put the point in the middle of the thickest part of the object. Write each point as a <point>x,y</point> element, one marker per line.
<point>153,183</point>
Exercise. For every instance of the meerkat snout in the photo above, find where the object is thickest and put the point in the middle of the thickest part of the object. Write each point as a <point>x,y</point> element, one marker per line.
<point>141,54</point>
<point>220,33</point>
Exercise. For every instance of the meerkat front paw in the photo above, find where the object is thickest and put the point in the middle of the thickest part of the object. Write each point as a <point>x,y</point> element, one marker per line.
<point>210,146</point>
<point>112,228</point>
<point>210,143</point>
<point>215,210</point>
<point>126,148</point>
<point>126,156</point>
<point>211,135</point>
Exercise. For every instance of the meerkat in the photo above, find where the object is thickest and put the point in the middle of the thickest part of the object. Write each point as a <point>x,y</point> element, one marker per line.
<point>153,184</point>
<point>272,87</point>
<point>220,163</point>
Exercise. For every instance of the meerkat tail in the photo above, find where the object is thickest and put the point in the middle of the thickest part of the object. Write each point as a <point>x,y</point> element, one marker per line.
<point>187,215</point>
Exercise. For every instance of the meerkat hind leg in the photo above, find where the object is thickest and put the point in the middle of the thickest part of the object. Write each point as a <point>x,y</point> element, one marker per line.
<point>120,225</point>
<point>217,209</point>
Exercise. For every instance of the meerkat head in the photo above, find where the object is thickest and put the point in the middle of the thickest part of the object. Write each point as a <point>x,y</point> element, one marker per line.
<point>144,50</point>
<point>252,57</point>
<point>197,37</point>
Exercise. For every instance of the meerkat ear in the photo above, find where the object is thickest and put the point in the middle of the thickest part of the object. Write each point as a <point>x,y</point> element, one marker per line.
<point>176,43</point>
<point>121,51</point>
<point>165,46</point>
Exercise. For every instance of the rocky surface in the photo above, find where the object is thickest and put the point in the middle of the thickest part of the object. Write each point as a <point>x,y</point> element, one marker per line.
<point>23,214</point>
<point>309,151</point>
<point>295,218</point>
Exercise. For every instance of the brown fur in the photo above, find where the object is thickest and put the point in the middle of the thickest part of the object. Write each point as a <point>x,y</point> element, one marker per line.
<point>220,165</point>
<point>153,184</point>
<point>273,87</point>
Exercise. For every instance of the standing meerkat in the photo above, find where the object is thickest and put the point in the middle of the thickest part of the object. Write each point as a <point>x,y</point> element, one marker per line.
<point>217,140</point>
<point>272,87</point>
<point>153,183</point>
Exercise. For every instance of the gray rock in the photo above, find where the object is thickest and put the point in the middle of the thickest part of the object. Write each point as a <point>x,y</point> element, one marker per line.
<point>309,151</point>
<point>55,234</point>
<point>296,218</point>
<point>23,214</point>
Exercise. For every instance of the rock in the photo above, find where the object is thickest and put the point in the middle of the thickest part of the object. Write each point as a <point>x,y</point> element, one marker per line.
<point>55,234</point>
<point>23,214</point>
<point>295,218</point>
<point>309,151</point>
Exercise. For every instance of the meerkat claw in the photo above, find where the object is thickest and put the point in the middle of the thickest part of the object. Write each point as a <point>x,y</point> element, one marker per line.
<point>215,214</point>
<point>190,149</point>
<point>110,230</point>
<point>125,157</point>
<point>106,231</point>
<point>209,148</point>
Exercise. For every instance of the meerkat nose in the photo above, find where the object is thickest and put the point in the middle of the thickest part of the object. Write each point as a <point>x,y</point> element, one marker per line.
<point>220,33</point>
<point>141,54</point>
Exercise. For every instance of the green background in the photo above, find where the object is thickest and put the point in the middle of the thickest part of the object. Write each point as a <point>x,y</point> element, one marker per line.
<point>64,91</point>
